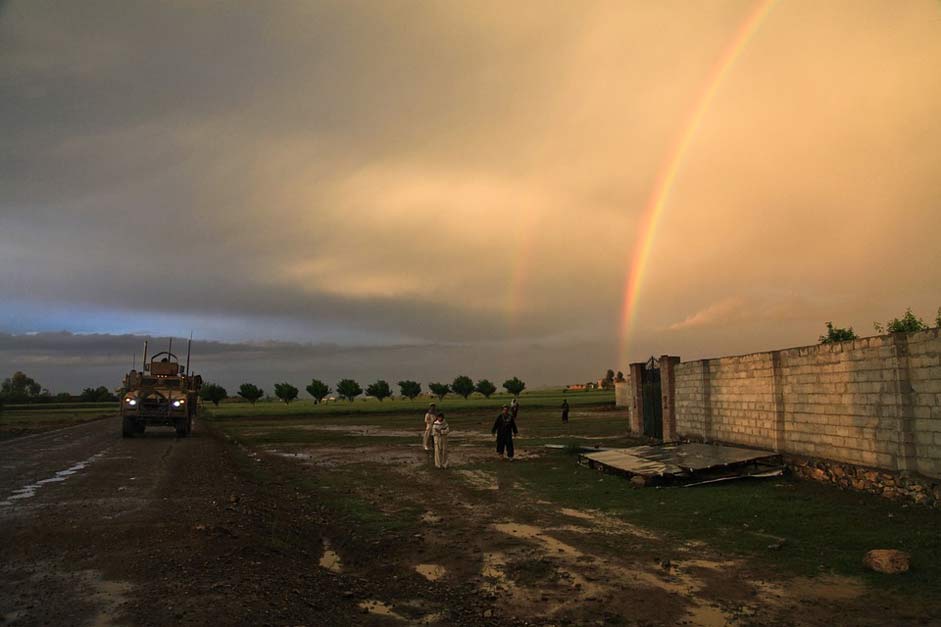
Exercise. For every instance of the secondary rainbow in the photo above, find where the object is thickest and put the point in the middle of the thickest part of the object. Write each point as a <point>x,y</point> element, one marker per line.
<point>670,167</point>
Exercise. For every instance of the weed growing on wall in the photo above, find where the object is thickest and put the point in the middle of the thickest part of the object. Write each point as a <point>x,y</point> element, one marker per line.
<point>909,323</point>
<point>836,334</point>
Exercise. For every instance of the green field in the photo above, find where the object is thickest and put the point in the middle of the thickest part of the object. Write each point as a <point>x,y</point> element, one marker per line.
<point>17,420</point>
<point>541,399</point>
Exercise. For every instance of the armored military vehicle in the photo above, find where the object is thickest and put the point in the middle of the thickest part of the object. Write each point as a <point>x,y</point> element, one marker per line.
<point>164,394</point>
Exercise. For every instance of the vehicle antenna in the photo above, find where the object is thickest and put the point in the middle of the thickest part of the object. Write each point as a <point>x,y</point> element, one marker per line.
<point>189,345</point>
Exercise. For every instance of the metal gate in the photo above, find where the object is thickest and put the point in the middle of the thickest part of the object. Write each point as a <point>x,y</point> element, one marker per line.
<point>653,408</point>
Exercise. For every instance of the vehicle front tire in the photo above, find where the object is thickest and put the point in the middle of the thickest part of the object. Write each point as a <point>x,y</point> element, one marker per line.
<point>127,427</point>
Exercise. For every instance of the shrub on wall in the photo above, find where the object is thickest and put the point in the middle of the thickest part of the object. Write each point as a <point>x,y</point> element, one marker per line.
<point>909,323</point>
<point>836,334</point>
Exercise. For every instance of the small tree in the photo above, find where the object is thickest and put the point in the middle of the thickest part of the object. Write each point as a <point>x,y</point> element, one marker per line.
<point>285,391</point>
<point>909,323</point>
<point>349,389</point>
<point>100,394</point>
<point>380,389</point>
<point>937,320</point>
<point>319,390</point>
<point>410,389</point>
<point>251,392</point>
<point>837,334</point>
<point>514,386</point>
<point>213,393</point>
<point>439,389</point>
<point>619,377</point>
<point>463,385</point>
<point>20,388</point>
<point>485,387</point>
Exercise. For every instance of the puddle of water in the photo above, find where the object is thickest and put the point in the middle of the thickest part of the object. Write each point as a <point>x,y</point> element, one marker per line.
<point>699,612</point>
<point>430,518</point>
<point>607,524</point>
<point>825,588</point>
<point>828,588</point>
<point>707,564</point>
<point>330,560</point>
<point>430,619</point>
<point>577,513</point>
<point>531,532</point>
<point>431,572</point>
<point>586,588</point>
<point>113,594</point>
<point>494,568</point>
<point>480,479</point>
<point>709,616</point>
<point>29,491</point>
<point>682,586</point>
<point>381,609</point>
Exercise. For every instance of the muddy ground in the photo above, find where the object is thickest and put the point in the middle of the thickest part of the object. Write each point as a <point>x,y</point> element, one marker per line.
<point>226,528</point>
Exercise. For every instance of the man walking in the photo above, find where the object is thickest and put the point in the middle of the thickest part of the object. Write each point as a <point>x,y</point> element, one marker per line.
<point>430,416</point>
<point>441,431</point>
<point>565,410</point>
<point>505,428</point>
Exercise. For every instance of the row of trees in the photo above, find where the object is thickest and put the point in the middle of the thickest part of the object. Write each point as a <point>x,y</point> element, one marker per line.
<point>908,323</point>
<point>349,389</point>
<point>21,388</point>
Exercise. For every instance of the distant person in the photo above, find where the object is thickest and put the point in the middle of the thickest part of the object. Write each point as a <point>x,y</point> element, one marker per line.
<point>430,416</point>
<point>505,428</point>
<point>515,408</point>
<point>440,430</point>
<point>565,410</point>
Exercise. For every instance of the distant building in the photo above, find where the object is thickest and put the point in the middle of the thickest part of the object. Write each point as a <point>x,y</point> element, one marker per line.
<point>581,387</point>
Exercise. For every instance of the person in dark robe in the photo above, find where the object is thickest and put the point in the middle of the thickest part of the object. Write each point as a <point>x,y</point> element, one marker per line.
<point>505,428</point>
<point>565,410</point>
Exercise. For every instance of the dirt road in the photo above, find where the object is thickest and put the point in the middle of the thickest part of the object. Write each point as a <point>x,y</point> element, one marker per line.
<point>97,530</point>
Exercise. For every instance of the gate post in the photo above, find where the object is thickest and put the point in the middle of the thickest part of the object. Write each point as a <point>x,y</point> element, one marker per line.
<point>668,391</point>
<point>637,396</point>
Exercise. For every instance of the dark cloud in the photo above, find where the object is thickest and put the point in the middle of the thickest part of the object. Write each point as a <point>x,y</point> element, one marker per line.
<point>68,362</point>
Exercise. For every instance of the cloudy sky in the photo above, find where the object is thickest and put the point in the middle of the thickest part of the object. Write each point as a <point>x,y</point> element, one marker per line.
<point>413,189</point>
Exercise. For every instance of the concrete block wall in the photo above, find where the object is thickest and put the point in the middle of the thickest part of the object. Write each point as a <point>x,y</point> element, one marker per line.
<point>924,375</point>
<point>873,401</point>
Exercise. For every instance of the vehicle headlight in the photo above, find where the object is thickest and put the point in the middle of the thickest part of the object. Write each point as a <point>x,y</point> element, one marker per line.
<point>177,403</point>
<point>131,401</point>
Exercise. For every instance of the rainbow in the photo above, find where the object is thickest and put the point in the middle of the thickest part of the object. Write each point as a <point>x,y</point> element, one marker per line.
<point>670,167</point>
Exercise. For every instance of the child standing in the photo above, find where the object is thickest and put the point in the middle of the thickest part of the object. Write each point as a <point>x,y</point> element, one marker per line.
<point>441,429</point>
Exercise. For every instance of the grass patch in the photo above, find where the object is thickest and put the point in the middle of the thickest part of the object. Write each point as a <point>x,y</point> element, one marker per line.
<point>824,528</point>
<point>22,420</point>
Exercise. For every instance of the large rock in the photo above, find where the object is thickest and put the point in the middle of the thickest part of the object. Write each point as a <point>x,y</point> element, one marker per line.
<point>888,561</point>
